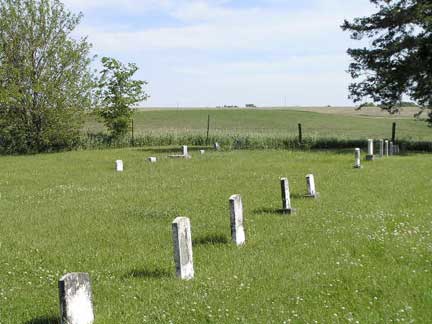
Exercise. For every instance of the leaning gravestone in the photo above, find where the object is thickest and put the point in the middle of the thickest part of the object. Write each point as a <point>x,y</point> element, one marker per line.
<point>370,155</point>
<point>182,240</point>
<point>310,182</point>
<point>357,163</point>
<point>236,213</point>
<point>286,198</point>
<point>76,305</point>
<point>119,166</point>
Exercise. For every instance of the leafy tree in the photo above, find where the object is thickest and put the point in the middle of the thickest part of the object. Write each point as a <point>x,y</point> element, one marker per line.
<point>117,93</point>
<point>45,79</point>
<point>398,61</point>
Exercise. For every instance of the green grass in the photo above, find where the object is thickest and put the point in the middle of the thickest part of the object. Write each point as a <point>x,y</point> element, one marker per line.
<point>271,123</point>
<point>361,252</point>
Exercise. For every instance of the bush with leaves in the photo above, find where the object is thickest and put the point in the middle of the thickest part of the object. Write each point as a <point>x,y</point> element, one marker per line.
<point>45,77</point>
<point>117,93</point>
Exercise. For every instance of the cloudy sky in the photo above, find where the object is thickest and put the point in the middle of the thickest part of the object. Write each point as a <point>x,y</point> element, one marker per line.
<point>217,52</point>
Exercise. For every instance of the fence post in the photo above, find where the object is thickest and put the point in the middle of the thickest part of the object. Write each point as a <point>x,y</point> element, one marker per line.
<point>300,134</point>
<point>133,138</point>
<point>394,133</point>
<point>208,129</point>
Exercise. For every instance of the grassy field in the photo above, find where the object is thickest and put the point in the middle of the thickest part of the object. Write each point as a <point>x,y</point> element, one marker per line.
<point>361,252</point>
<point>275,122</point>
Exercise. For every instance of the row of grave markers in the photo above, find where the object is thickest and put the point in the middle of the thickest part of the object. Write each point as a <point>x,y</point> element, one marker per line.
<point>119,166</point>
<point>386,148</point>
<point>75,291</point>
<point>76,305</point>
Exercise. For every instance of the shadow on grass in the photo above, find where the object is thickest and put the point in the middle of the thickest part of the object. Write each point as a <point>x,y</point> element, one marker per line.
<point>211,239</point>
<point>267,211</point>
<point>148,273</point>
<point>44,320</point>
<point>172,149</point>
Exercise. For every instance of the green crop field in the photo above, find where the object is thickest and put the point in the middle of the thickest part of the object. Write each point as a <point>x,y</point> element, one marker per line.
<point>360,253</point>
<point>275,122</point>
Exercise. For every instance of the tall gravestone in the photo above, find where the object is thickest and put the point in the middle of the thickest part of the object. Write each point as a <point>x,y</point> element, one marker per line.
<point>391,148</point>
<point>381,148</point>
<point>357,158</point>
<point>286,197</point>
<point>185,150</point>
<point>236,217</point>
<point>182,240</point>
<point>370,155</point>
<point>75,293</point>
<point>310,183</point>
<point>386,148</point>
<point>119,165</point>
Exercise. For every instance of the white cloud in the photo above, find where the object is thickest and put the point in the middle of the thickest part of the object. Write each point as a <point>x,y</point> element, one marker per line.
<point>229,53</point>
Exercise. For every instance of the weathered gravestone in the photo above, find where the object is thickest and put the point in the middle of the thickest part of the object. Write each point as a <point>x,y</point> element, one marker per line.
<point>386,148</point>
<point>381,148</point>
<point>182,240</point>
<point>286,197</point>
<point>357,163</point>
<point>202,152</point>
<point>310,183</point>
<point>391,149</point>
<point>370,155</point>
<point>152,159</point>
<point>75,293</point>
<point>216,146</point>
<point>119,165</point>
<point>236,213</point>
<point>184,155</point>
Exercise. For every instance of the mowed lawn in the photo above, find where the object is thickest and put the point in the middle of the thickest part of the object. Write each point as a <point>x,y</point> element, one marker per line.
<point>361,252</point>
<point>273,122</point>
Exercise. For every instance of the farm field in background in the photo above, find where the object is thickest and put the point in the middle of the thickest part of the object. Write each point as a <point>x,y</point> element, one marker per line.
<point>361,252</point>
<point>277,122</point>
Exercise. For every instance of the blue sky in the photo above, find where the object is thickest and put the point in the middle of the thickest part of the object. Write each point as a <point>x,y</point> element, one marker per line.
<point>217,52</point>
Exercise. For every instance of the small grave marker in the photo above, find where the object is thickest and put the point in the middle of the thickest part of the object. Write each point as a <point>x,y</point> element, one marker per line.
<point>182,240</point>
<point>202,152</point>
<point>286,197</point>
<point>370,155</point>
<point>357,163</point>
<point>236,213</point>
<point>310,182</point>
<point>75,293</point>
<point>119,165</point>
<point>152,159</point>
<point>216,146</point>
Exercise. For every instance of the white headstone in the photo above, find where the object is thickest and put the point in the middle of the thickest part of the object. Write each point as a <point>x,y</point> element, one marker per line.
<point>357,163</point>
<point>370,155</point>
<point>381,148</point>
<point>152,159</point>
<point>76,305</point>
<point>185,150</point>
<point>182,239</point>
<point>310,182</point>
<point>119,166</point>
<point>386,148</point>
<point>216,146</point>
<point>237,228</point>
<point>202,152</point>
<point>286,198</point>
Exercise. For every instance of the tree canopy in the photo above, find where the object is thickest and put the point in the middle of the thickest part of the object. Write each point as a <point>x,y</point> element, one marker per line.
<point>45,77</point>
<point>398,61</point>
